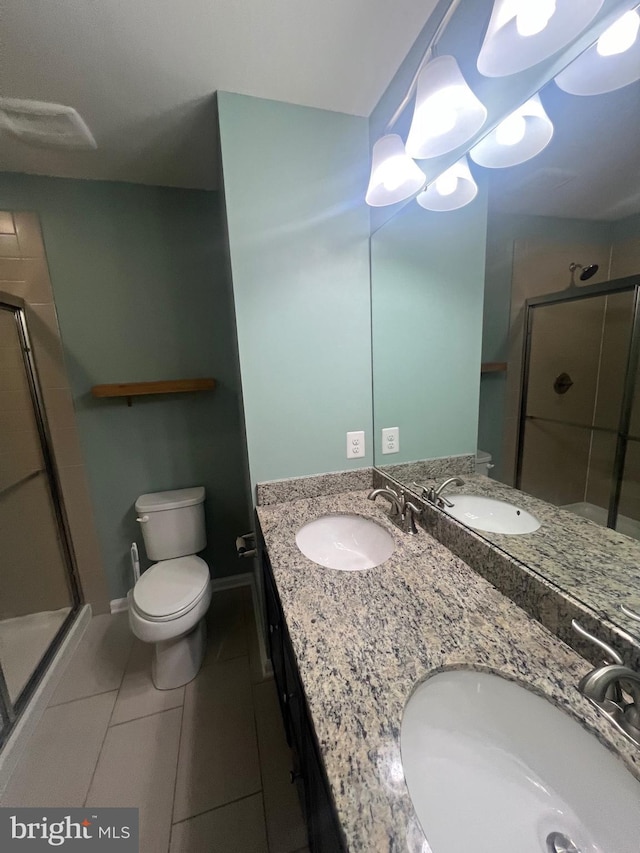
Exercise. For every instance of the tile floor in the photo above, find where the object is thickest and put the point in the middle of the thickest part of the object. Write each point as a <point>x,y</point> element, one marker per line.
<point>23,641</point>
<point>206,764</point>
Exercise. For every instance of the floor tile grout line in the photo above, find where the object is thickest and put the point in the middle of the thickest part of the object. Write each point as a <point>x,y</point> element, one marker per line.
<point>260,759</point>
<point>223,660</point>
<point>108,726</point>
<point>144,716</point>
<point>115,726</point>
<point>175,781</point>
<point>217,808</point>
<point>83,698</point>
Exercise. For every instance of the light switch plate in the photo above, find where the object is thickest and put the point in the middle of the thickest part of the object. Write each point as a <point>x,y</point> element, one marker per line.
<point>391,440</point>
<point>355,444</point>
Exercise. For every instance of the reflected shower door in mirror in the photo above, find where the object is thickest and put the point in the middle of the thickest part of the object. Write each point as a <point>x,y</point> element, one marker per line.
<point>531,230</point>
<point>578,384</point>
<point>37,590</point>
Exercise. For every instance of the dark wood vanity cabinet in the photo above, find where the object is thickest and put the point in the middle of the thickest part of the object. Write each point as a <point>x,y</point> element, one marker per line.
<point>307,771</point>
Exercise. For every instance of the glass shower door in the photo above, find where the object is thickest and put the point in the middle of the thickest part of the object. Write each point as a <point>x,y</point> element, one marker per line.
<point>37,587</point>
<point>577,359</point>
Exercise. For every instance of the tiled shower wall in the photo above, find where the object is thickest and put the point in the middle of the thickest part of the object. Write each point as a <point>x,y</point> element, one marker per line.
<point>24,273</point>
<point>567,465</point>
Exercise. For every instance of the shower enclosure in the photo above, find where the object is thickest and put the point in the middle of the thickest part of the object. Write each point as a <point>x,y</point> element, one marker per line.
<point>579,430</point>
<point>39,592</point>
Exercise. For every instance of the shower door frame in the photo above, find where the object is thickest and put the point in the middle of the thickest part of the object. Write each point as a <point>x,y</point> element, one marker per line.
<point>628,284</point>
<point>11,710</point>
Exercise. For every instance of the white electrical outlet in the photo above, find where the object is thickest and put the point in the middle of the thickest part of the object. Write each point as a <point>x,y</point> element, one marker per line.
<point>355,444</point>
<point>391,440</point>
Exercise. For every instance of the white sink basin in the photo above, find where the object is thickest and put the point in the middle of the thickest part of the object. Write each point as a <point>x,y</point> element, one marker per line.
<point>491,515</point>
<point>491,766</point>
<point>350,543</point>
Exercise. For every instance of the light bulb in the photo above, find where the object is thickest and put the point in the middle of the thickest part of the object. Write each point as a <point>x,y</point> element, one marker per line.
<point>392,173</point>
<point>442,111</point>
<point>620,35</point>
<point>447,183</point>
<point>534,15</point>
<point>511,130</point>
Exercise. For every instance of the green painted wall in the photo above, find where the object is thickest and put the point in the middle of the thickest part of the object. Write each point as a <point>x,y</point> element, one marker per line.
<point>427,282</point>
<point>294,183</point>
<point>141,291</point>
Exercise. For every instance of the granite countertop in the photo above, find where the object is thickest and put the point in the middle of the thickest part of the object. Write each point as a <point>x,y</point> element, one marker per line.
<point>364,640</point>
<point>595,564</point>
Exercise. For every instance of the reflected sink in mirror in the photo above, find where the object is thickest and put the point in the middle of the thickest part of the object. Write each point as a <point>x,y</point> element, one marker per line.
<point>491,516</point>
<point>349,543</point>
<point>492,766</point>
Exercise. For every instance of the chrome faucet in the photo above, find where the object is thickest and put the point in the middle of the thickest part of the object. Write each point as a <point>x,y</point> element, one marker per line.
<point>434,495</point>
<point>402,510</point>
<point>396,500</point>
<point>613,688</point>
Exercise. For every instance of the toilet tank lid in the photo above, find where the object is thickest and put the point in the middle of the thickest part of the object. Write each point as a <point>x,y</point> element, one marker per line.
<point>158,501</point>
<point>483,456</point>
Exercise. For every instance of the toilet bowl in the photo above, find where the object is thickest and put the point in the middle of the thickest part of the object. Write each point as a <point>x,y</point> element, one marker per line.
<point>168,603</point>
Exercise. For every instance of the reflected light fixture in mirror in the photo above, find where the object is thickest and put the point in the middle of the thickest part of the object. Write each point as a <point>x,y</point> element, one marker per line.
<point>522,135</point>
<point>522,33</point>
<point>612,63</point>
<point>446,114</point>
<point>451,190</point>
<point>394,175</point>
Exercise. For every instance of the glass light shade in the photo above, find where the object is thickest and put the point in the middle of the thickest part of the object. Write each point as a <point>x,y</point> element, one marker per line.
<point>522,33</point>
<point>394,175</point>
<point>517,139</point>
<point>598,69</point>
<point>447,113</point>
<point>451,190</point>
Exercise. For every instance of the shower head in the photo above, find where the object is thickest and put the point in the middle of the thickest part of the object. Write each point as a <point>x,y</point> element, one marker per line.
<point>587,272</point>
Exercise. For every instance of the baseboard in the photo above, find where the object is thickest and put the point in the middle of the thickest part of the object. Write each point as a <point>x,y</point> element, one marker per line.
<point>26,725</point>
<point>118,605</point>
<point>232,582</point>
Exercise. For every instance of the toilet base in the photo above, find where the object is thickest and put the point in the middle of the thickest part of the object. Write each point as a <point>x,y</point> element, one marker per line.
<point>177,662</point>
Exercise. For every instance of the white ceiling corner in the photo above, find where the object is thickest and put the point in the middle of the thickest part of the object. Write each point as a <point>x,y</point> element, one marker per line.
<point>142,73</point>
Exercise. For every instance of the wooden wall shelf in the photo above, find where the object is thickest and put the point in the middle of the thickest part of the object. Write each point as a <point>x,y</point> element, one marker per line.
<point>493,367</point>
<point>141,389</point>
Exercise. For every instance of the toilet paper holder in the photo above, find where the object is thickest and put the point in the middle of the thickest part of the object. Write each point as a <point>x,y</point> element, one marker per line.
<point>245,544</point>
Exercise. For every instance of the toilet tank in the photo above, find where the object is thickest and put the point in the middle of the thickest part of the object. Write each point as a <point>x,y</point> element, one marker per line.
<point>172,523</point>
<point>483,463</point>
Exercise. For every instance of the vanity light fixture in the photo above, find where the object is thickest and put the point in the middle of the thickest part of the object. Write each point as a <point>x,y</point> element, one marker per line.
<point>522,135</point>
<point>611,63</point>
<point>446,114</point>
<point>522,33</point>
<point>394,175</point>
<point>451,190</point>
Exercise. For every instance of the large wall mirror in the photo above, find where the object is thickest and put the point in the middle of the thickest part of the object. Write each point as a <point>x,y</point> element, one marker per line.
<point>548,255</point>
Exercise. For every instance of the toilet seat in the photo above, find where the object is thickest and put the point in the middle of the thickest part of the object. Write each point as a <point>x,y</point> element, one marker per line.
<point>171,588</point>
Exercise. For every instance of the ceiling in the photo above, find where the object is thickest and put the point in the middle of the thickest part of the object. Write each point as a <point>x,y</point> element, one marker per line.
<point>142,73</point>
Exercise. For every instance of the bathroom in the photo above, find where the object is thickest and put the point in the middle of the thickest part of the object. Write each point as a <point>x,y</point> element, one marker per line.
<point>266,288</point>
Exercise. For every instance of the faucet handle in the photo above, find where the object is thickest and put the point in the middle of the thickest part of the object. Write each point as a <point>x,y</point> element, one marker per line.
<point>412,512</point>
<point>425,490</point>
<point>611,654</point>
<point>632,614</point>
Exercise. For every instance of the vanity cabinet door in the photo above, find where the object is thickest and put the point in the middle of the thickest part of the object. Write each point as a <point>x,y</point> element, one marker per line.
<point>323,827</point>
<point>275,633</point>
<point>307,773</point>
<point>322,824</point>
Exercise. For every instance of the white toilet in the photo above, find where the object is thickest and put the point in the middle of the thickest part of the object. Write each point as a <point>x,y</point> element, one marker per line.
<point>168,603</point>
